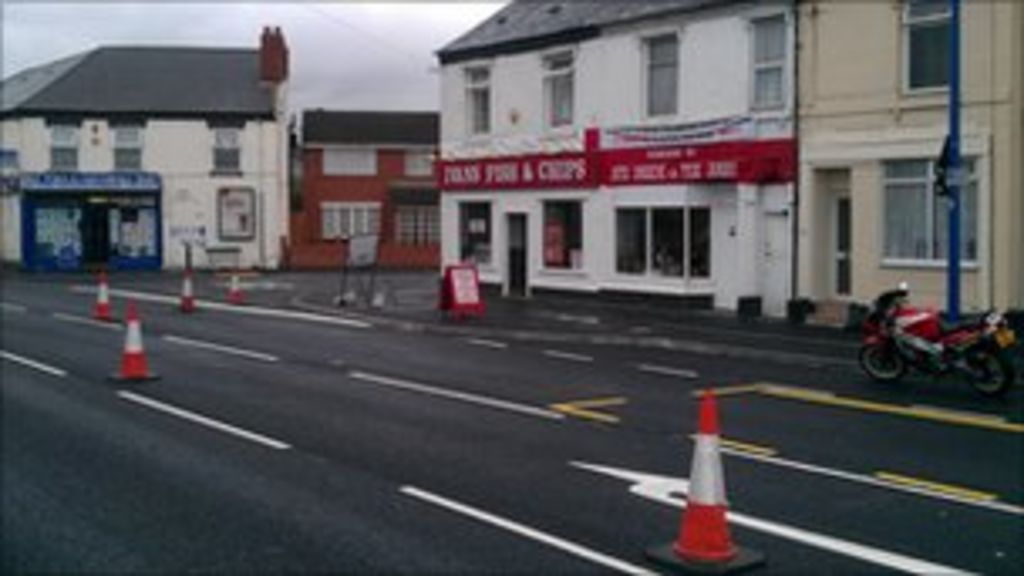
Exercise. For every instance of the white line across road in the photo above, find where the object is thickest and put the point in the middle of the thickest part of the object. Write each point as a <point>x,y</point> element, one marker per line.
<point>455,395</point>
<point>525,531</point>
<point>570,356</point>
<point>205,421</point>
<point>11,307</point>
<point>204,345</point>
<point>244,310</point>
<point>667,371</point>
<point>87,321</point>
<point>487,343</point>
<point>35,364</point>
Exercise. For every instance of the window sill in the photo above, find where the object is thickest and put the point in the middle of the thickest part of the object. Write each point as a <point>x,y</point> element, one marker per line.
<point>970,265</point>
<point>563,272</point>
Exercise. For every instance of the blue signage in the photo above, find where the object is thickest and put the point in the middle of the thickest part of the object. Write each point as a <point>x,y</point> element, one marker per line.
<point>91,182</point>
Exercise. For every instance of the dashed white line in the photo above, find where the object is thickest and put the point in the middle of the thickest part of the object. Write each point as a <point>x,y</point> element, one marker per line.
<point>487,343</point>
<point>572,548</point>
<point>667,371</point>
<point>455,395</point>
<point>11,307</point>
<point>87,321</point>
<point>202,344</point>
<point>205,421</point>
<point>35,364</point>
<point>570,356</point>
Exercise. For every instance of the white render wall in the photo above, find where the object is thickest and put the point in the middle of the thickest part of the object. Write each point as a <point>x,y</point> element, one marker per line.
<point>181,152</point>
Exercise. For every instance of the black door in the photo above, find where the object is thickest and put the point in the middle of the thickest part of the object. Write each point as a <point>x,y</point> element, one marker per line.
<point>517,254</point>
<point>95,234</point>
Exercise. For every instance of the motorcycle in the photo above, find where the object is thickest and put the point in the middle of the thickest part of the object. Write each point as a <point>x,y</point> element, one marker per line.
<point>897,336</point>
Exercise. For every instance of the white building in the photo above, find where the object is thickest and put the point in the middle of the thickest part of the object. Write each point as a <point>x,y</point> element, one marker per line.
<point>637,147</point>
<point>121,156</point>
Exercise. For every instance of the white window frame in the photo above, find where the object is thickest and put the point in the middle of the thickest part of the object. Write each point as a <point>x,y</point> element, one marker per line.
<point>70,143</point>
<point>413,162</point>
<point>121,143</point>
<point>645,45</point>
<point>548,76</point>
<point>472,86</point>
<point>782,64</point>
<point>218,145</point>
<point>908,22</point>
<point>423,230</point>
<point>933,260</point>
<point>349,161</point>
<point>358,215</point>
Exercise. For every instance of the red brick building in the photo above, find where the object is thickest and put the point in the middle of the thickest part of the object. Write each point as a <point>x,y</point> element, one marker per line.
<point>367,173</point>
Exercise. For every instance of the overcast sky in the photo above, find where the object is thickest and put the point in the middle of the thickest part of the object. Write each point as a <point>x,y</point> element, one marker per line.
<point>344,55</point>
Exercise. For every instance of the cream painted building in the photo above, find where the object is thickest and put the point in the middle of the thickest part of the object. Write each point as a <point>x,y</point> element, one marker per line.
<point>872,119</point>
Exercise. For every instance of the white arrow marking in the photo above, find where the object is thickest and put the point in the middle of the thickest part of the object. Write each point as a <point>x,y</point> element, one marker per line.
<point>672,491</point>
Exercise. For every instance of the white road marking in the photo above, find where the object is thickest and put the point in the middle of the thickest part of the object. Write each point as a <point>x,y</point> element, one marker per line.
<point>87,321</point>
<point>487,343</point>
<point>667,371</point>
<point>589,320</point>
<point>455,395</point>
<point>11,307</point>
<point>872,481</point>
<point>220,348</point>
<point>671,491</point>
<point>32,364</point>
<point>526,531</point>
<point>572,357</point>
<point>205,421</point>
<point>245,310</point>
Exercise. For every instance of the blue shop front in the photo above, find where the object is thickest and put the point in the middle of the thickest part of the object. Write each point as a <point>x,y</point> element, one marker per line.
<point>88,220</point>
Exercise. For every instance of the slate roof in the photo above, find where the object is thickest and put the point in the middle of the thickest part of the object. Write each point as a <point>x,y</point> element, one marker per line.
<point>149,81</point>
<point>334,127</point>
<point>531,24</point>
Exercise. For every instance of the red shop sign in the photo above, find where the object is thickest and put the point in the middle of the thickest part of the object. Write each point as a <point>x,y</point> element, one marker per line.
<point>738,161</point>
<point>567,170</point>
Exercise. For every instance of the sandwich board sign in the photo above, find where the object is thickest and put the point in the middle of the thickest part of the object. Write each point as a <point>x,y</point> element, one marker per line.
<point>460,291</point>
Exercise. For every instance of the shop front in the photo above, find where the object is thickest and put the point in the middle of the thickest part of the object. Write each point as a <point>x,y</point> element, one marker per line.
<point>80,221</point>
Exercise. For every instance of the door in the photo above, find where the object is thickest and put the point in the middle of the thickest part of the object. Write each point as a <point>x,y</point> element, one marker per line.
<point>517,255</point>
<point>775,274</point>
<point>95,233</point>
<point>841,260</point>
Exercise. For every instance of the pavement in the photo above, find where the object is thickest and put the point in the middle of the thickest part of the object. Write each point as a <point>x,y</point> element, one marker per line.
<point>279,439</point>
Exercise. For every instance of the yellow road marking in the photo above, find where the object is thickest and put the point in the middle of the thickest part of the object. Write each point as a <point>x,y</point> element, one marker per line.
<point>943,416</point>
<point>936,487</point>
<point>731,390</point>
<point>579,409</point>
<point>750,448</point>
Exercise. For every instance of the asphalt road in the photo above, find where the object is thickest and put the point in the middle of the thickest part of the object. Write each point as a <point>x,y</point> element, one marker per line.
<point>279,443</point>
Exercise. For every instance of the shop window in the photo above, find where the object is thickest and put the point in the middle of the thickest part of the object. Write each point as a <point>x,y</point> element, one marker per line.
<point>478,100</point>
<point>350,162</point>
<point>64,148</point>
<point>631,240</point>
<point>227,150</point>
<point>419,163</point>
<point>563,235</point>
<point>662,53</point>
<point>236,213</point>
<point>348,219</point>
<point>671,242</point>
<point>916,219</point>
<point>58,234</point>
<point>769,61</point>
<point>558,88</point>
<point>926,46</point>
<point>475,232</point>
<point>127,148</point>
<point>133,231</point>
<point>417,225</point>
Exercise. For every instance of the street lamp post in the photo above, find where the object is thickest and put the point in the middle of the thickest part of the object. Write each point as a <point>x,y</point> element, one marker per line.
<point>954,175</point>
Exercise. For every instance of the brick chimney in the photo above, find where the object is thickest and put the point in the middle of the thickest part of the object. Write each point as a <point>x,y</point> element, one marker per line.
<point>273,56</point>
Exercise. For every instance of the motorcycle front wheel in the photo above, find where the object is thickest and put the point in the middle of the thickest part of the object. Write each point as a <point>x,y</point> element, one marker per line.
<point>882,363</point>
<point>993,373</point>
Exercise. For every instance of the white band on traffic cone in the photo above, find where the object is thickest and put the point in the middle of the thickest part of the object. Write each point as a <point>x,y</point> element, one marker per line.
<point>186,290</point>
<point>104,294</point>
<point>707,482</point>
<point>133,339</point>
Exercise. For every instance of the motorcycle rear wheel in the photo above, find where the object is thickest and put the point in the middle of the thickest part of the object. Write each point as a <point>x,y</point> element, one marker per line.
<point>994,373</point>
<point>882,363</point>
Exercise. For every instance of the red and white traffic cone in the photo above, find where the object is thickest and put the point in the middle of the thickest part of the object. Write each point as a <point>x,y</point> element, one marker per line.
<point>704,545</point>
<point>188,301</point>
<point>134,366</point>
<point>102,309</point>
<point>235,294</point>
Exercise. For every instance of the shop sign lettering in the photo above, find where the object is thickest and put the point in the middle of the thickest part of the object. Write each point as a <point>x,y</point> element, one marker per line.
<point>521,172</point>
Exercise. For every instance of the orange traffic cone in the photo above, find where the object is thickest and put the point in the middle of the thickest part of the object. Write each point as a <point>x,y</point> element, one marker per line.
<point>188,301</point>
<point>235,294</point>
<point>704,545</point>
<point>134,367</point>
<point>102,309</point>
